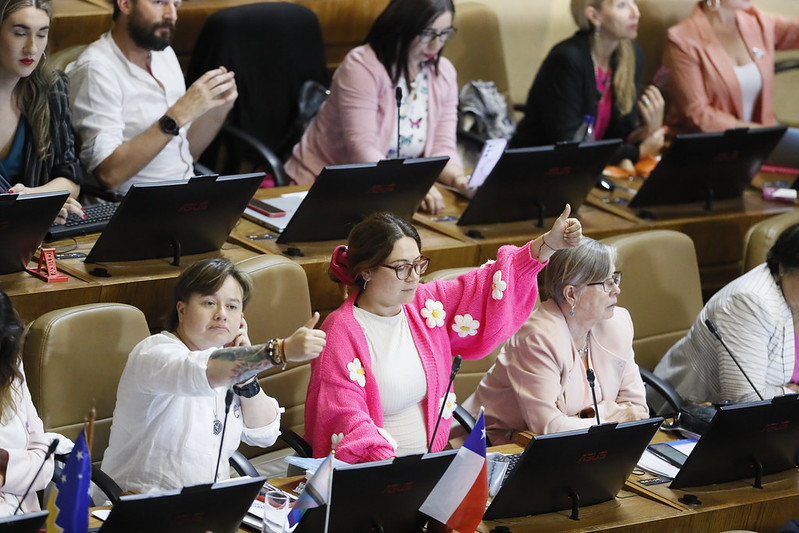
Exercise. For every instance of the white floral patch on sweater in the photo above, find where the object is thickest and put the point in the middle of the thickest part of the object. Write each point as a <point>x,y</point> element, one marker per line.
<point>433,313</point>
<point>357,373</point>
<point>465,325</point>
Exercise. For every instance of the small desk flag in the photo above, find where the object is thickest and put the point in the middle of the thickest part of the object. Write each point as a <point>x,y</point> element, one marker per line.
<point>459,498</point>
<point>316,493</point>
<point>69,502</point>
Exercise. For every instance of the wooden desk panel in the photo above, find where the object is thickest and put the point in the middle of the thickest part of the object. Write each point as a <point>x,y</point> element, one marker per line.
<point>718,235</point>
<point>33,297</point>
<point>144,284</point>
<point>597,224</point>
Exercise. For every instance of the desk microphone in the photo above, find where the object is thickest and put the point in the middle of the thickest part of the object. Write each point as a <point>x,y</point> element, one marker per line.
<point>456,365</point>
<point>589,373</point>
<point>228,401</point>
<point>50,452</point>
<point>715,331</point>
<point>398,95</point>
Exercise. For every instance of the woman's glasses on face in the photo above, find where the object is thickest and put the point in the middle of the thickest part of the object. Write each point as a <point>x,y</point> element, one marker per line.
<point>428,34</point>
<point>613,281</point>
<point>403,271</point>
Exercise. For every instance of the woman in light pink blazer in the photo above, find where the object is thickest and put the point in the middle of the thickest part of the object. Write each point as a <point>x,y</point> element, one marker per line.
<point>358,121</point>
<point>539,381</point>
<point>721,65</point>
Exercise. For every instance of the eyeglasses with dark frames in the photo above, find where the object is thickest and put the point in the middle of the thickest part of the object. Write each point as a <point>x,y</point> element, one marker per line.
<point>403,271</point>
<point>613,281</point>
<point>428,34</point>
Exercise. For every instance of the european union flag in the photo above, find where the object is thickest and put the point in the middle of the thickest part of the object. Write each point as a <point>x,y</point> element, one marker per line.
<point>69,503</point>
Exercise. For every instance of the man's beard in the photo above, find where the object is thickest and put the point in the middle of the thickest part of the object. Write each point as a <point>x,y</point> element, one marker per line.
<point>145,36</point>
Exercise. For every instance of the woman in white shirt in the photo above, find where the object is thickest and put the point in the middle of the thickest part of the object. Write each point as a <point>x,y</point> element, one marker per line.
<point>170,411</point>
<point>22,439</point>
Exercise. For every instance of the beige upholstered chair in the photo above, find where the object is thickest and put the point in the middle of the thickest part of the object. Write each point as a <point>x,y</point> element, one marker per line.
<point>280,303</point>
<point>660,287</point>
<point>59,60</point>
<point>476,50</point>
<point>761,236</point>
<point>74,358</point>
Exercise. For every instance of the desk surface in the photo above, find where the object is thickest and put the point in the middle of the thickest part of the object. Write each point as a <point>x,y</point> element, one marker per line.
<point>144,284</point>
<point>718,238</point>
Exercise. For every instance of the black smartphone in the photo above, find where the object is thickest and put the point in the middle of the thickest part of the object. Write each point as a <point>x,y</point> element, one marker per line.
<point>266,209</point>
<point>668,453</point>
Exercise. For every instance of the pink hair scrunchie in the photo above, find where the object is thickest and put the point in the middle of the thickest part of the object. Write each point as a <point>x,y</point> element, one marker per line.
<point>340,265</point>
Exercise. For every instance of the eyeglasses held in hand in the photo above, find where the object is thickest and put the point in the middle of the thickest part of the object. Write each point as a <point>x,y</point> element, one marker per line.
<point>613,281</point>
<point>403,271</point>
<point>428,34</point>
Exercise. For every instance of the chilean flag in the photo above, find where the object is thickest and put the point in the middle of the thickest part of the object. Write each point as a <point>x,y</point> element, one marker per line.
<point>459,498</point>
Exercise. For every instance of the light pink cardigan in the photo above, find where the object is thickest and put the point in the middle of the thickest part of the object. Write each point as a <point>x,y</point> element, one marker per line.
<point>341,409</point>
<point>703,90</point>
<point>538,382</point>
<point>356,123</point>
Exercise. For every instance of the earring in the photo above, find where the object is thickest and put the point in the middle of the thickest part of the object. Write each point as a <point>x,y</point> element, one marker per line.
<point>571,313</point>
<point>713,4</point>
<point>364,284</point>
<point>599,27</point>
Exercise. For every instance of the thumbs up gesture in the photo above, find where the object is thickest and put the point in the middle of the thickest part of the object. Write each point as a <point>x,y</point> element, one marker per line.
<point>306,343</point>
<point>565,232</point>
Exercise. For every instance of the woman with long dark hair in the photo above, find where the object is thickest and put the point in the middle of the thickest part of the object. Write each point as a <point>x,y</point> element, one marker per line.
<point>23,444</point>
<point>358,122</point>
<point>37,146</point>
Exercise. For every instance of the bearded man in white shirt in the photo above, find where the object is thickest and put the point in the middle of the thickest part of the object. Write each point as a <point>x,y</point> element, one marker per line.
<point>136,120</point>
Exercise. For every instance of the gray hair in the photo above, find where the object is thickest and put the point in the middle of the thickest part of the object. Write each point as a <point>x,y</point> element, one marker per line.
<point>588,263</point>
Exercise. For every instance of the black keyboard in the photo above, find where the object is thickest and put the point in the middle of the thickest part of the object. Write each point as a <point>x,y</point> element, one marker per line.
<point>97,217</point>
<point>513,461</point>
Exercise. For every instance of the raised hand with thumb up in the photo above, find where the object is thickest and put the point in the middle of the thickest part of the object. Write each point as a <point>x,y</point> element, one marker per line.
<point>565,233</point>
<point>306,343</point>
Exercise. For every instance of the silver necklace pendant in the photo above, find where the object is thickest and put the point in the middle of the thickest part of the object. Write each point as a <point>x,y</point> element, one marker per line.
<point>217,426</point>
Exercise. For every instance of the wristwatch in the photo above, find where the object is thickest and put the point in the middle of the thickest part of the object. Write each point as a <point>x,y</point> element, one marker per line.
<point>249,390</point>
<point>169,125</point>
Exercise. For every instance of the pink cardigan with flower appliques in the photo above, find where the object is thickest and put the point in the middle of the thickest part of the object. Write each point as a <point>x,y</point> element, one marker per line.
<point>480,311</point>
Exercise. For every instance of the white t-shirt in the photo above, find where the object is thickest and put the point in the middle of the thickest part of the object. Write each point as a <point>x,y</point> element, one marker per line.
<point>400,378</point>
<point>751,84</point>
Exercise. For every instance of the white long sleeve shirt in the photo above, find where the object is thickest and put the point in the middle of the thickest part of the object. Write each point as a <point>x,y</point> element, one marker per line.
<point>162,434</point>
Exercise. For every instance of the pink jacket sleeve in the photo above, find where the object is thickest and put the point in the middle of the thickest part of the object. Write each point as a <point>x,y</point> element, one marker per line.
<point>360,83</point>
<point>23,463</point>
<point>690,102</point>
<point>487,305</point>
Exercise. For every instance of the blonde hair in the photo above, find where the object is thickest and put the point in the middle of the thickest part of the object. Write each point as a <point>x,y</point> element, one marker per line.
<point>33,92</point>
<point>624,75</point>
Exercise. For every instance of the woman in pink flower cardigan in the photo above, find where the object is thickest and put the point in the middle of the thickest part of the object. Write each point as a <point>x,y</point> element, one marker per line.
<point>377,388</point>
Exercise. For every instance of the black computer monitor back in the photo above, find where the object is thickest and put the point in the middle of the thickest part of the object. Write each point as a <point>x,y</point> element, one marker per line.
<point>24,221</point>
<point>175,217</point>
<point>704,167</point>
<point>741,437</point>
<point>591,463</point>
<point>343,195</point>
<point>219,508</point>
<point>530,183</point>
<point>381,496</point>
<point>23,523</point>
